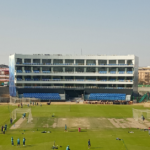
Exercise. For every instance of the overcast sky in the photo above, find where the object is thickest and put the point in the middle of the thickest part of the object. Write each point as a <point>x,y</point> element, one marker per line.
<point>109,27</point>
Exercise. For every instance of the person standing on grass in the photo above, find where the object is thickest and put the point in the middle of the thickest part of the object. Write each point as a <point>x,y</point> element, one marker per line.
<point>12,141</point>
<point>67,148</point>
<point>5,127</point>
<point>18,142</point>
<point>24,140</point>
<point>10,120</point>
<point>65,127</point>
<point>89,143</point>
<point>142,117</point>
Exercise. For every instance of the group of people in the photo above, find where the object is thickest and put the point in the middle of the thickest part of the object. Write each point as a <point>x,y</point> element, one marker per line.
<point>18,141</point>
<point>4,128</point>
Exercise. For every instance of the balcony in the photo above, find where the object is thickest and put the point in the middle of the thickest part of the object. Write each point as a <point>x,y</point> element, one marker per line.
<point>73,87</point>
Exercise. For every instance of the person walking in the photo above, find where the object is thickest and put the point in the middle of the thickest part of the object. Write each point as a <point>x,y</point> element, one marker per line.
<point>24,140</point>
<point>12,141</point>
<point>65,127</point>
<point>89,143</point>
<point>18,142</point>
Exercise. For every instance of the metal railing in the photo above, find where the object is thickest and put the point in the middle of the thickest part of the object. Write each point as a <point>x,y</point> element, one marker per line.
<point>75,80</point>
<point>72,87</point>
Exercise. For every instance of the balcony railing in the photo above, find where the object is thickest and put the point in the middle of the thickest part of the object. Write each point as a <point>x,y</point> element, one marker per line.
<point>73,80</point>
<point>100,72</point>
<point>91,64</point>
<point>72,87</point>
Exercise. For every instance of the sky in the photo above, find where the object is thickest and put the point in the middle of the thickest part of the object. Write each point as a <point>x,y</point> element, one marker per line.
<point>118,27</point>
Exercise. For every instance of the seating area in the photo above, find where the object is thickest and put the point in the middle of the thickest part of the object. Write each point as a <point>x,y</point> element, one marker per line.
<point>19,71</point>
<point>107,96</point>
<point>36,71</point>
<point>46,71</point>
<point>129,72</point>
<point>121,72</point>
<point>113,72</point>
<point>19,79</point>
<point>43,96</point>
<point>27,71</point>
<point>91,64</point>
<point>103,72</point>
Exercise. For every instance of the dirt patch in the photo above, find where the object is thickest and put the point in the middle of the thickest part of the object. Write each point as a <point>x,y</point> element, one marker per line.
<point>129,123</point>
<point>46,126</point>
<point>18,123</point>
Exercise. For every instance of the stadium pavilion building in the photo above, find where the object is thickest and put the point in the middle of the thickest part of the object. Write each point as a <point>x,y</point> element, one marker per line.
<point>61,77</point>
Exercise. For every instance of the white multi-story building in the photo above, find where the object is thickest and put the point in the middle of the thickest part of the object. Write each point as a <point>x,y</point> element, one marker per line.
<point>73,75</point>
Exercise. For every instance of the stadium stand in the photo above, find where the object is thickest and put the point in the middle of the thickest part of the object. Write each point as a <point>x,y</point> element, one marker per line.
<point>43,96</point>
<point>107,96</point>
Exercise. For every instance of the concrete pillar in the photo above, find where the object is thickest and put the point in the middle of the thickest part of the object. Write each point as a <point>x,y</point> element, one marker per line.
<point>74,61</point>
<point>85,69</point>
<point>117,62</point>
<point>125,70</point>
<point>22,60</point>
<point>74,69</point>
<point>96,62</point>
<point>125,61</point>
<point>41,69</point>
<point>116,70</point>
<point>107,62</point>
<point>96,70</point>
<point>84,62</point>
<point>63,69</point>
<point>31,69</point>
<point>63,61</point>
<point>52,61</point>
<point>51,69</point>
<point>107,70</point>
<point>23,69</point>
<point>31,61</point>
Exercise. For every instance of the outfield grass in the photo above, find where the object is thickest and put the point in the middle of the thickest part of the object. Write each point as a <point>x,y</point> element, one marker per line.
<point>101,138</point>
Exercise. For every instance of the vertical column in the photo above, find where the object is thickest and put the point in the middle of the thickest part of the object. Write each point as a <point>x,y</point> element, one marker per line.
<point>107,70</point>
<point>52,61</point>
<point>107,62</point>
<point>96,69</point>
<point>22,60</point>
<point>23,69</point>
<point>125,70</point>
<point>31,68</point>
<point>63,61</point>
<point>96,62</point>
<point>63,69</point>
<point>84,69</point>
<point>74,61</point>
<point>126,61</point>
<point>41,69</point>
<point>84,62</point>
<point>31,61</point>
<point>116,70</point>
<point>40,61</point>
<point>74,69</point>
<point>117,62</point>
<point>52,69</point>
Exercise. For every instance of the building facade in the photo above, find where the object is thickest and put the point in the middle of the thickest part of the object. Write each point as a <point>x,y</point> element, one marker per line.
<point>144,75</point>
<point>4,74</point>
<point>73,75</point>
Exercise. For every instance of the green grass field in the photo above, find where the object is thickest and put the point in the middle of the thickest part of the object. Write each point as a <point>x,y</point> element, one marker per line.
<point>102,138</point>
